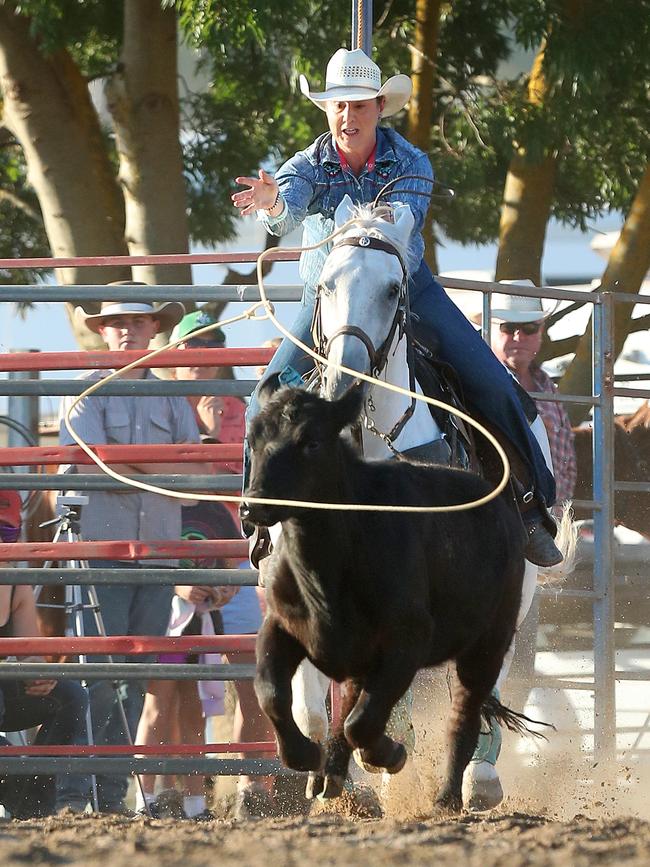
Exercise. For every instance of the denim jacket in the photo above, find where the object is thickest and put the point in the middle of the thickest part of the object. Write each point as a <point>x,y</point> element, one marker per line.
<point>313,183</point>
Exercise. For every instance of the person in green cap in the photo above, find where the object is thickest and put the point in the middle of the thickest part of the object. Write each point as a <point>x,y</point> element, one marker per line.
<point>221,418</point>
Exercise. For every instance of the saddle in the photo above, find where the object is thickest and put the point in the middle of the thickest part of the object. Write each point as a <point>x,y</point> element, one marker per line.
<point>439,381</point>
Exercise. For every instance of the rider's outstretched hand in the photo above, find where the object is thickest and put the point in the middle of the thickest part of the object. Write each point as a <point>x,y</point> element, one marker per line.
<point>261,193</point>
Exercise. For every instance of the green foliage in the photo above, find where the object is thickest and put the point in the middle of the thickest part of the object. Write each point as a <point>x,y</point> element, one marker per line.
<point>596,115</point>
<point>21,228</point>
<point>88,29</point>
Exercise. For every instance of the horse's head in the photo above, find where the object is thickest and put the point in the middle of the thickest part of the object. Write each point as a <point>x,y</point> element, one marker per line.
<point>294,442</point>
<point>362,288</point>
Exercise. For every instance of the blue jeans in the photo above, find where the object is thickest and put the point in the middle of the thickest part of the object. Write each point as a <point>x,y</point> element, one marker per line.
<point>487,386</point>
<point>62,718</point>
<point>126,609</point>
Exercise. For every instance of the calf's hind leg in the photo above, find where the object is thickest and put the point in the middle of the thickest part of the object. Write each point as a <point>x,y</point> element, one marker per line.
<point>475,676</point>
<point>278,656</point>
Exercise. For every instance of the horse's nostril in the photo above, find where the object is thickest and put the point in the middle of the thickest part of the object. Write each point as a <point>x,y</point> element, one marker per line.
<point>244,511</point>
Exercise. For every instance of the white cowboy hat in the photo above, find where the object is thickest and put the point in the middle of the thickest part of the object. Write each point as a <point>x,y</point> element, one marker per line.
<point>352,76</point>
<point>168,314</point>
<point>518,308</point>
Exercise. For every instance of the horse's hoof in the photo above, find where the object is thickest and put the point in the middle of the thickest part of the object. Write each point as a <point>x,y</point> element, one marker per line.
<point>484,795</point>
<point>481,787</point>
<point>314,787</point>
<point>333,787</point>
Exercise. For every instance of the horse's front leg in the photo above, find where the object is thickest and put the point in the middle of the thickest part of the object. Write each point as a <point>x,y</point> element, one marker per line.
<point>482,789</point>
<point>330,783</point>
<point>278,656</point>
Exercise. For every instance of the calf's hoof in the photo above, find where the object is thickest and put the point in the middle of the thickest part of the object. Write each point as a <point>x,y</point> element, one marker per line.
<point>398,759</point>
<point>391,762</point>
<point>309,757</point>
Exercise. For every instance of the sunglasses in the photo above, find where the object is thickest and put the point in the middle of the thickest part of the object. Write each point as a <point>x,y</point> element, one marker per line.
<point>526,327</point>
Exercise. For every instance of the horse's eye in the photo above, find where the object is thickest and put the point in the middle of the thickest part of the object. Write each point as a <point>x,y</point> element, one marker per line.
<point>394,288</point>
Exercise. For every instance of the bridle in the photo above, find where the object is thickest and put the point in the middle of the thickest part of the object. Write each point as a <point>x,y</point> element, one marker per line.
<point>378,356</point>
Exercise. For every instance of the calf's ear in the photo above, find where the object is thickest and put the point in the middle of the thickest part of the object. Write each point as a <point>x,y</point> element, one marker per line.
<point>347,408</point>
<point>266,389</point>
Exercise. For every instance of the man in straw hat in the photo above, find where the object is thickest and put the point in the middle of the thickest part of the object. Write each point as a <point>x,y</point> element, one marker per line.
<point>358,157</point>
<point>128,609</point>
<point>516,337</point>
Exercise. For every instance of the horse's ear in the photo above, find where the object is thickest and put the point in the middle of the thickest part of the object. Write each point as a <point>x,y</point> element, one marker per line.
<point>403,220</point>
<point>344,211</point>
<point>267,389</point>
<point>347,408</point>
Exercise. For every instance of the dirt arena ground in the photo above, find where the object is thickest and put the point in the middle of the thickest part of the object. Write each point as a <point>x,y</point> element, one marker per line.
<point>500,838</point>
<point>557,811</point>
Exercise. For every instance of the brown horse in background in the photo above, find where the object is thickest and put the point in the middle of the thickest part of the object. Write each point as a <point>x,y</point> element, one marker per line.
<point>631,464</point>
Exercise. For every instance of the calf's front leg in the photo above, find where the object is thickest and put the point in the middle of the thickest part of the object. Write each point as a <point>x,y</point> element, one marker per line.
<point>366,724</point>
<point>278,656</point>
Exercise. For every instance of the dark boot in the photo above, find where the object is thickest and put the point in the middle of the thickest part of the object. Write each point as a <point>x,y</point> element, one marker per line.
<point>541,549</point>
<point>540,527</point>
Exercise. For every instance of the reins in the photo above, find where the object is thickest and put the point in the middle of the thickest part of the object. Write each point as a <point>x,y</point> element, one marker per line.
<point>251,313</point>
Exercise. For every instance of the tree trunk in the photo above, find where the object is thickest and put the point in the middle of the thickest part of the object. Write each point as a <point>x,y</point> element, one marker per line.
<point>628,264</point>
<point>143,100</point>
<point>48,109</point>
<point>527,200</point>
<point>421,104</point>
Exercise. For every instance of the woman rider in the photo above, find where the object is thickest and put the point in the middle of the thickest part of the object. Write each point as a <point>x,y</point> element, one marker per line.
<point>358,157</point>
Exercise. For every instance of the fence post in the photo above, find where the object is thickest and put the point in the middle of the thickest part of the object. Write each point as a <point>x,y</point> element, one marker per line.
<point>362,26</point>
<point>603,494</point>
<point>23,409</point>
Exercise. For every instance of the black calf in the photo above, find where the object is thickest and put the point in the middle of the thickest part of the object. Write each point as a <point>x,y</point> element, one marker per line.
<point>371,597</point>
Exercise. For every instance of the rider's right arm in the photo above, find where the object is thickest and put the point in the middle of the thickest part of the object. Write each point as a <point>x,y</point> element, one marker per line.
<point>296,180</point>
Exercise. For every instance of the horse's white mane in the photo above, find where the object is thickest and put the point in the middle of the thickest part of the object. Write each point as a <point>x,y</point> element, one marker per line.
<point>378,223</point>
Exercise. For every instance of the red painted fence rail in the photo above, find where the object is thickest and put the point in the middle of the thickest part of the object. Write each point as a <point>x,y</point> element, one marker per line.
<point>21,456</point>
<point>126,644</point>
<point>104,360</point>
<point>154,259</point>
<point>137,749</point>
<point>125,550</point>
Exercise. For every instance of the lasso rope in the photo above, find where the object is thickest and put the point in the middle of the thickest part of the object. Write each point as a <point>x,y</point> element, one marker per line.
<point>269,314</point>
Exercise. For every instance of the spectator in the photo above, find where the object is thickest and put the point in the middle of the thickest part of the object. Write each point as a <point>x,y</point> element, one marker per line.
<point>58,707</point>
<point>221,419</point>
<point>516,337</point>
<point>133,609</point>
<point>175,710</point>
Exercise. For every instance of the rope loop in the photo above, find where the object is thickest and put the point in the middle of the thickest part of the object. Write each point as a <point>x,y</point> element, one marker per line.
<point>320,359</point>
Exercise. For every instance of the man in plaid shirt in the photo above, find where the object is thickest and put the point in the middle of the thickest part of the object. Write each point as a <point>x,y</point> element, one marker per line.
<point>516,337</point>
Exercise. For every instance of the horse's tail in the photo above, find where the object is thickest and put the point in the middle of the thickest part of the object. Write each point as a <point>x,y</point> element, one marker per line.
<point>567,541</point>
<point>493,711</point>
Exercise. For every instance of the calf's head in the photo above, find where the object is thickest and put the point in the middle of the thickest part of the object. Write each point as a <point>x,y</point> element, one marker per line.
<point>296,449</point>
